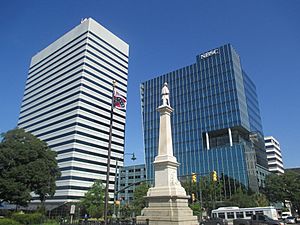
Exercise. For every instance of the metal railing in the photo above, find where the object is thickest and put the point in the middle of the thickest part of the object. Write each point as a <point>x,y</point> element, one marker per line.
<point>112,222</point>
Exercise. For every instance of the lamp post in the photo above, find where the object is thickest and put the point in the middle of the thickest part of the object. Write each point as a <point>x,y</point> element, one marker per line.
<point>133,158</point>
<point>117,175</point>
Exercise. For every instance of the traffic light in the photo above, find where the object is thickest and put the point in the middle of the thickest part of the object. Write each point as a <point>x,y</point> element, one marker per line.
<point>214,176</point>
<point>194,178</point>
<point>193,197</point>
<point>117,202</point>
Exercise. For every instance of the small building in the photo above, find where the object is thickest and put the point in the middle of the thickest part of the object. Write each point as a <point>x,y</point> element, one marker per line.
<point>128,179</point>
<point>274,156</point>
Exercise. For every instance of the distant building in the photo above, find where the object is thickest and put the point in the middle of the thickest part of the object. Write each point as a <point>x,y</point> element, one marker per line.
<point>216,121</point>
<point>295,169</point>
<point>274,156</point>
<point>67,103</point>
<point>127,177</point>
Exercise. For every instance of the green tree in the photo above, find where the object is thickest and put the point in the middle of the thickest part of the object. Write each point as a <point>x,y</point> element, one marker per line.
<point>27,165</point>
<point>280,188</point>
<point>125,211</point>
<point>197,211</point>
<point>211,192</point>
<point>93,200</point>
<point>242,200</point>
<point>139,201</point>
<point>261,199</point>
<point>190,187</point>
<point>274,188</point>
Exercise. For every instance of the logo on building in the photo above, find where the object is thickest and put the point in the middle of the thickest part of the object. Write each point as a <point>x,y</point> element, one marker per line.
<point>210,53</point>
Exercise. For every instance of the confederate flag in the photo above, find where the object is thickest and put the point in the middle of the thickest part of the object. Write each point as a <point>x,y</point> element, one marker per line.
<point>119,101</point>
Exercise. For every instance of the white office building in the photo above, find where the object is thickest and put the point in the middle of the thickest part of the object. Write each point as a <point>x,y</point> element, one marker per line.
<point>274,155</point>
<point>67,103</point>
<point>129,178</point>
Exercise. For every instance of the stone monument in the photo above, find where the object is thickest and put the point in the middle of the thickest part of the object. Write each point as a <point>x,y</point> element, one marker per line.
<point>167,200</point>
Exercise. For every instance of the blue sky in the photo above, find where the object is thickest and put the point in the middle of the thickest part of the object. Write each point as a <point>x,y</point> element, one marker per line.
<point>165,35</point>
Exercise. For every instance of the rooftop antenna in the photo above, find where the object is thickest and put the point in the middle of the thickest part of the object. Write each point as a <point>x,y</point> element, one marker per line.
<point>83,19</point>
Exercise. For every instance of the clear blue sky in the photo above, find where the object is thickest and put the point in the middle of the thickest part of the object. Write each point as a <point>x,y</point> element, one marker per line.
<point>165,35</point>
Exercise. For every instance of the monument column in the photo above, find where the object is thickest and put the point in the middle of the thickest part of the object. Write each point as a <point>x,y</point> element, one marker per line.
<point>168,202</point>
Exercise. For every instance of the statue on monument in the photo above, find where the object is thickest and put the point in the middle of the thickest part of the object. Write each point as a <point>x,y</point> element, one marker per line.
<point>165,95</point>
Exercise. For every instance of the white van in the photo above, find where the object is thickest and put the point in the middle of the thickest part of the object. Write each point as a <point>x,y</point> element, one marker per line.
<point>231,213</point>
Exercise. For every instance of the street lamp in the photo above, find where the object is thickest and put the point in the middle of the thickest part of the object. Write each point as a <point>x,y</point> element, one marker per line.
<point>117,174</point>
<point>133,158</point>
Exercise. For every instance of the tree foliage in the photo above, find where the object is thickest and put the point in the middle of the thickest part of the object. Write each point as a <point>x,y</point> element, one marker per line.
<point>139,201</point>
<point>280,188</point>
<point>93,200</point>
<point>242,200</point>
<point>27,165</point>
<point>197,210</point>
<point>261,199</point>
<point>206,191</point>
<point>125,211</point>
<point>226,191</point>
<point>274,188</point>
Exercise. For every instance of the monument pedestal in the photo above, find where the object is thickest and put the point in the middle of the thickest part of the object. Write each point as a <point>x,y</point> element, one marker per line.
<point>168,210</point>
<point>167,201</point>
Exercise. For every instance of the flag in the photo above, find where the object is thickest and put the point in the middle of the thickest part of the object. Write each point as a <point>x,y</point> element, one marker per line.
<point>119,101</point>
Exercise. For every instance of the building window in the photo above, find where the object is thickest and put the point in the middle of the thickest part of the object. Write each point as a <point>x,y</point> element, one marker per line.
<point>230,215</point>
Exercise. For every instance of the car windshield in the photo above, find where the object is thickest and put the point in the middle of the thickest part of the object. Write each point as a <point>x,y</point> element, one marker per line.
<point>290,217</point>
<point>268,218</point>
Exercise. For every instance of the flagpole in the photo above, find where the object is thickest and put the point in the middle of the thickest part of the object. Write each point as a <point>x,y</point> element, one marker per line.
<point>108,155</point>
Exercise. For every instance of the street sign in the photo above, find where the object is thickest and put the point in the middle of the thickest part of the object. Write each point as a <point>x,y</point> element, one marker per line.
<point>72,210</point>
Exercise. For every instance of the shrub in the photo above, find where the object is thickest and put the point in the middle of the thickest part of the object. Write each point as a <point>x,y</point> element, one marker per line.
<point>26,219</point>
<point>50,222</point>
<point>8,222</point>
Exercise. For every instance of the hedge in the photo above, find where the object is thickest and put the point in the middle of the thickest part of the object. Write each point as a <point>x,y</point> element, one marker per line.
<point>8,222</point>
<point>26,219</point>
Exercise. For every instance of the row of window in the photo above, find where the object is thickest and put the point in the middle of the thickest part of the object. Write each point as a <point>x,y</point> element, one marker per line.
<point>75,159</point>
<point>49,83</point>
<point>88,153</point>
<point>58,50</point>
<point>125,65</point>
<point>79,125</point>
<point>49,59</point>
<point>239,215</point>
<point>54,96</point>
<point>66,104</point>
<point>38,79</point>
<point>84,143</point>
<point>117,50</point>
<point>75,168</point>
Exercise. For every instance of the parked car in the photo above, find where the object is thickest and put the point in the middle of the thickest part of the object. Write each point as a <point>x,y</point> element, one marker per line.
<point>290,219</point>
<point>214,221</point>
<point>284,215</point>
<point>257,220</point>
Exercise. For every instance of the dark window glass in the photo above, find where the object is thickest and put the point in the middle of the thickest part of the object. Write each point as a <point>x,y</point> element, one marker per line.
<point>260,217</point>
<point>239,215</point>
<point>230,215</point>
<point>259,212</point>
<point>249,213</point>
<point>221,215</point>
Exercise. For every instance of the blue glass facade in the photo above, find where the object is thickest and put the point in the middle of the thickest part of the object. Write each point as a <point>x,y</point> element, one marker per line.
<point>215,111</point>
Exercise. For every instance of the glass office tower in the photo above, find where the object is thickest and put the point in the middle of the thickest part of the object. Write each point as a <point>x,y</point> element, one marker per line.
<point>216,123</point>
